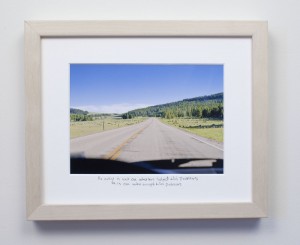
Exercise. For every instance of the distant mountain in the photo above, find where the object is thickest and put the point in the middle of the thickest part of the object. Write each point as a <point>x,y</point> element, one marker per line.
<point>78,111</point>
<point>208,106</point>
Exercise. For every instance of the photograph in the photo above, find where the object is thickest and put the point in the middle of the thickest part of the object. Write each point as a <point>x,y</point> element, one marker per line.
<point>146,118</point>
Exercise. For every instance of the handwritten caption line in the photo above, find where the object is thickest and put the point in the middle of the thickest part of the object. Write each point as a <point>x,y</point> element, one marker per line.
<point>157,181</point>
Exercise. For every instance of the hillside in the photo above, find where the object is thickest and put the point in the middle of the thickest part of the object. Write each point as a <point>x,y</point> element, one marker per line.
<point>78,111</point>
<point>215,97</point>
<point>208,106</point>
<point>79,115</point>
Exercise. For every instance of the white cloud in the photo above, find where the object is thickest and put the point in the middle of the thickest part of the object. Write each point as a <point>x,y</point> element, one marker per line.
<point>115,108</point>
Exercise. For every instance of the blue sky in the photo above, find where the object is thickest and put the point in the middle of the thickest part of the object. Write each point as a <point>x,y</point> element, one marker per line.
<point>117,88</point>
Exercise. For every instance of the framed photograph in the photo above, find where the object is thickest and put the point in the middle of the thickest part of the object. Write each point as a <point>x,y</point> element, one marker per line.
<point>146,119</point>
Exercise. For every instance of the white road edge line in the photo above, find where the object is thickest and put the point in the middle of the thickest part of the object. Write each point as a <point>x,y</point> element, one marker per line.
<point>204,142</point>
<point>194,137</point>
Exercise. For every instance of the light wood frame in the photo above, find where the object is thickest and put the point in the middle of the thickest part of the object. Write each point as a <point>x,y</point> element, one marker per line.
<point>36,30</point>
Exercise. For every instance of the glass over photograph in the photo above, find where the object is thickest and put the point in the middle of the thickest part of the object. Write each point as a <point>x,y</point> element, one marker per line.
<point>146,119</point>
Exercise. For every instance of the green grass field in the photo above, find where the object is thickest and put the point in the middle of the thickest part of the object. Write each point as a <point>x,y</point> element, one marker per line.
<point>208,128</point>
<point>78,129</point>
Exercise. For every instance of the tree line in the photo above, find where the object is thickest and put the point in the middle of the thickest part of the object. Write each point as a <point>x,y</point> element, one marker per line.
<point>209,106</point>
<point>78,111</point>
<point>77,115</point>
<point>80,117</point>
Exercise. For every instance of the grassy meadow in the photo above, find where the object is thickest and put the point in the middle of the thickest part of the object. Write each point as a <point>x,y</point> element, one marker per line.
<point>83,128</point>
<point>208,128</point>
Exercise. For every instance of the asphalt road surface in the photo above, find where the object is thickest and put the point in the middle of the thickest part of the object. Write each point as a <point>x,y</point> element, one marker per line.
<point>149,140</point>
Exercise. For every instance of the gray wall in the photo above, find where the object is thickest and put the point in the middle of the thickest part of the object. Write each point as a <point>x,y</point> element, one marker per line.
<point>282,227</point>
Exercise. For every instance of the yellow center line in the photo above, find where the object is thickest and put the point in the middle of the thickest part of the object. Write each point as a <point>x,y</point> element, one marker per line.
<point>117,151</point>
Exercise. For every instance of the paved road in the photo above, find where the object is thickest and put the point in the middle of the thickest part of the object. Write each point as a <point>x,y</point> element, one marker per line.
<point>149,140</point>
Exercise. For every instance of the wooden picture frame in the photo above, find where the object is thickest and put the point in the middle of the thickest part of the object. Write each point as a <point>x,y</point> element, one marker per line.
<point>38,209</point>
